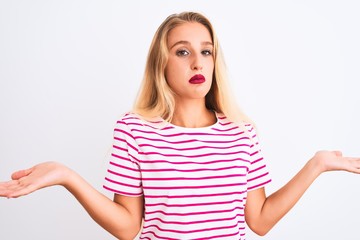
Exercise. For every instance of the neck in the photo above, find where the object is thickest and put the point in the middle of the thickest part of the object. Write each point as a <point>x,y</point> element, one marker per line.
<point>193,114</point>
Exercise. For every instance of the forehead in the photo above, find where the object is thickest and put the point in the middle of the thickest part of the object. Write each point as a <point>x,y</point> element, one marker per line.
<point>190,32</point>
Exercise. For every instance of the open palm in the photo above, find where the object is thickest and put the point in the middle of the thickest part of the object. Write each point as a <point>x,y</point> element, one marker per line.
<point>334,160</point>
<point>29,180</point>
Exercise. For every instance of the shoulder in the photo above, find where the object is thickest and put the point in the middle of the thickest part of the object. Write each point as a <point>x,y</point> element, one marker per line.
<point>246,128</point>
<point>130,120</point>
<point>244,125</point>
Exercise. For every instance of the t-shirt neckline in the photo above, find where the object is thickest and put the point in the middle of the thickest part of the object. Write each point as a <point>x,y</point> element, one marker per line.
<point>194,128</point>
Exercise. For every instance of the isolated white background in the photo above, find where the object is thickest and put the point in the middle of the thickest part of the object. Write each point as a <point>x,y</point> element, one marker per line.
<point>69,69</point>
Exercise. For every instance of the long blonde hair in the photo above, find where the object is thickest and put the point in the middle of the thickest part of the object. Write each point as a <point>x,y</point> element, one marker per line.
<point>156,99</point>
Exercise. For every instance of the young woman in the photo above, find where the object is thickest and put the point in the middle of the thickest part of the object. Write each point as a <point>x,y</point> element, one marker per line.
<point>185,162</point>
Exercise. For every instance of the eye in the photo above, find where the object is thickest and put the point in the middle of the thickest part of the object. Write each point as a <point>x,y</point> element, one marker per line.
<point>182,52</point>
<point>206,52</point>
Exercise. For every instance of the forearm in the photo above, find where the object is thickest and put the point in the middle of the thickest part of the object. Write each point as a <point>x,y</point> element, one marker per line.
<point>110,215</point>
<point>262,212</point>
<point>281,201</point>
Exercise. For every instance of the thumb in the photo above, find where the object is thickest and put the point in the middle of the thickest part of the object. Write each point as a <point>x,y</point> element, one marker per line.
<point>22,173</point>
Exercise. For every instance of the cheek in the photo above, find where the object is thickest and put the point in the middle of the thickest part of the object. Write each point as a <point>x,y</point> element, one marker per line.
<point>174,71</point>
<point>170,68</point>
<point>210,71</point>
<point>171,77</point>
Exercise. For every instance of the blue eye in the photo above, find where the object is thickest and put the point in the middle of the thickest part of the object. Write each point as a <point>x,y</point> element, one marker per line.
<point>182,53</point>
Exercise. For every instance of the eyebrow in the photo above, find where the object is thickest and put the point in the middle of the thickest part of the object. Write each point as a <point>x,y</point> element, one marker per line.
<point>188,43</point>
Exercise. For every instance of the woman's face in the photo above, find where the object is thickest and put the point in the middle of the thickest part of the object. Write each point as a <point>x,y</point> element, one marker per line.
<point>190,65</point>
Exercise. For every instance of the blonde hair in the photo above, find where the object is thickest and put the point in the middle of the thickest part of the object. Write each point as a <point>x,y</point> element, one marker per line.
<point>156,99</point>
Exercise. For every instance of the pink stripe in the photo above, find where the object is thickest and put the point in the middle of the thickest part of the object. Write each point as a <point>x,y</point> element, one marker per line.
<point>162,140</point>
<point>193,204</point>
<point>155,235</point>
<point>193,213</point>
<point>128,116</point>
<point>194,156</point>
<point>193,148</point>
<point>121,166</point>
<point>189,170</point>
<point>193,162</point>
<point>257,160</point>
<point>196,195</point>
<point>123,175</point>
<point>124,132</point>
<point>141,124</point>
<point>224,124</point>
<point>257,169</point>
<point>120,148</point>
<point>120,139</point>
<point>123,193</point>
<point>251,127</point>
<point>189,141</point>
<point>187,133</point>
<point>191,178</point>
<point>223,235</point>
<point>154,161</point>
<point>145,238</point>
<point>254,153</point>
<point>257,177</point>
<point>195,222</point>
<point>120,157</point>
<point>226,130</point>
<point>194,187</point>
<point>190,231</point>
<point>176,178</point>
<point>122,184</point>
<point>125,149</point>
<point>259,185</point>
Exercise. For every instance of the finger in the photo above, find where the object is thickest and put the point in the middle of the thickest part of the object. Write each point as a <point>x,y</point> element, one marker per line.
<point>7,187</point>
<point>353,164</point>
<point>22,173</point>
<point>356,163</point>
<point>16,189</point>
<point>9,183</point>
<point>21,191</point>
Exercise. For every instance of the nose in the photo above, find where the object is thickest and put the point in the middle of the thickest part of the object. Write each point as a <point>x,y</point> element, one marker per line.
<point>196,64</point>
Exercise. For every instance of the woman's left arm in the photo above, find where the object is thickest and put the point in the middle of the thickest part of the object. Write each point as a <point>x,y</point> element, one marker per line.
<point>262,213</point>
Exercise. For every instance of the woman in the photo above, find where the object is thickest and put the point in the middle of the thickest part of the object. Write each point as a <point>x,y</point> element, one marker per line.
<point>185,162</point>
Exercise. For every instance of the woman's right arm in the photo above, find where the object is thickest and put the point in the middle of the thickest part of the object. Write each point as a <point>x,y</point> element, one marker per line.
<point>121,217</point>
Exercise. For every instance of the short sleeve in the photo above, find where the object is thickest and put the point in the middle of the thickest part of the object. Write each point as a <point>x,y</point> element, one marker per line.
<point>258,173</point>
<point>123,174</point>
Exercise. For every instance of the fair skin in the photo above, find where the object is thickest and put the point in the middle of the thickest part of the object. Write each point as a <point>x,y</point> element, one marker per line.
<point>190,53</point>
<point>189,46</point>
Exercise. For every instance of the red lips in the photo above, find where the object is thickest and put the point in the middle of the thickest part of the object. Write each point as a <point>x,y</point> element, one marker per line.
<point>197,79</point>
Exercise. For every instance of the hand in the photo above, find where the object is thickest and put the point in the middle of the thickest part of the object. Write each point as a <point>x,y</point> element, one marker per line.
<point>29,180</point>
<point>334,160</point>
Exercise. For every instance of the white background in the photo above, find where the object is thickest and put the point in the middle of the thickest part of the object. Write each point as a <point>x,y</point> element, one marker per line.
<point>69,69</point>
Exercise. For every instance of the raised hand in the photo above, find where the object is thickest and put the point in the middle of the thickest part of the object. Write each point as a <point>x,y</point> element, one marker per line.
<point>29,180</point>
<point>335,161</point>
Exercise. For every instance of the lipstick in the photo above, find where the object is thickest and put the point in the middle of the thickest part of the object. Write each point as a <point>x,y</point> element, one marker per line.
<point>197,79</point>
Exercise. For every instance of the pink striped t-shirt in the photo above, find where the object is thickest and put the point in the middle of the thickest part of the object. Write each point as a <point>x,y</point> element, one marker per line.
<point>194,180</point>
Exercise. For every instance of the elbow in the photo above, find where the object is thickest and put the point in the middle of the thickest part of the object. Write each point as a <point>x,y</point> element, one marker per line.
<point>130,235</point>
<point>128,232</point>
<point>261,232</point>
<point>260,229</point>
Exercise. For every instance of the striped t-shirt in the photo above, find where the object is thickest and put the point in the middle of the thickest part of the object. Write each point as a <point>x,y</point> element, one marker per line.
<point>194,180</point>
